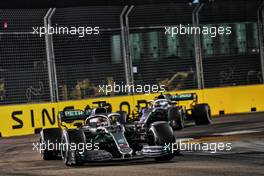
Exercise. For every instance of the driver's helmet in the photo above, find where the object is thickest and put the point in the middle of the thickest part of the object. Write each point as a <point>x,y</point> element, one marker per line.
<point>114,119</point>
<point>162,103</point>
<point>164,96</point>
<point>161,96</point>
<point>98,122</point>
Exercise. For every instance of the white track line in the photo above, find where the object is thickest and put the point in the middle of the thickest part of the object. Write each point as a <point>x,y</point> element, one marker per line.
<point>183,139</point>
<point>237,132</point>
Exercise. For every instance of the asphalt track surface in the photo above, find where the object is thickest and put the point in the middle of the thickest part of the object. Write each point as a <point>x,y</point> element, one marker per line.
<point>244,132</point>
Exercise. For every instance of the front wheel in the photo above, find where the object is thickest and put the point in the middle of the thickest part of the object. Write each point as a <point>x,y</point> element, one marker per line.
<point>49,138</point>
<point>175,116</point>
<point>69,156</point>
<point>65,148</point>
<point>46,154</point>
<point>161,134</point>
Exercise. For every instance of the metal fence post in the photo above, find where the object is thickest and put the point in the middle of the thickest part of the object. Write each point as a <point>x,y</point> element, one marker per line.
<point>50,57</point>
<point>197,47</point>
<point>125,41</point>
<point>128,45</point>
<point>260,36</point>
<point>123,44</point>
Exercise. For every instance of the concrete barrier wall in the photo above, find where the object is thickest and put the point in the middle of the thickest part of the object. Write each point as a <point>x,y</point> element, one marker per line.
<point>26,119</point>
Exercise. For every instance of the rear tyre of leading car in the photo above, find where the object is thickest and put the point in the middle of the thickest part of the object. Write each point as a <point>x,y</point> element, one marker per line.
<point>202,114</point>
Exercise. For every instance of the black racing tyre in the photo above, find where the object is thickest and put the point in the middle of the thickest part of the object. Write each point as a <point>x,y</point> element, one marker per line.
<point>202,114</point>
<point>65,147</point>
<point>48,137</point>
<point>175,117</point>
<point>161,134</point>
<point>123,117</point>
<point>47,155</point>
<point>152,141</point>
<point>71,157</point>
<point>77,161</point>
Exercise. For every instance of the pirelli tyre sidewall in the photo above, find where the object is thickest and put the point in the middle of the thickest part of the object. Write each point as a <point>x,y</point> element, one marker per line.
<point>65,147</point>
<point>161,134</point>
<point>45,154</point>
<point>49,136</point>
<point>202,114</point>
<point>175,117</point>
<point>70,155</point>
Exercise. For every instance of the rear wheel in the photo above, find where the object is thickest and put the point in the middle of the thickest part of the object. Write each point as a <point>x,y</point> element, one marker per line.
<point>202,114</point>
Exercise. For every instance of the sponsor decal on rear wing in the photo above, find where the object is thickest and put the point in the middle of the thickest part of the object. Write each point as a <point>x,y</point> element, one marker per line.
<point>71,115</point>
<point>185,96</point>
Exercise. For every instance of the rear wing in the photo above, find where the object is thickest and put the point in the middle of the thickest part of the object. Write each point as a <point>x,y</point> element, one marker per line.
<point>72,115</point>
<point>184,97</point>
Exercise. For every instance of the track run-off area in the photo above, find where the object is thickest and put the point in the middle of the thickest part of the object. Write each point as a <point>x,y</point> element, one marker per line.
<point>244,132</point>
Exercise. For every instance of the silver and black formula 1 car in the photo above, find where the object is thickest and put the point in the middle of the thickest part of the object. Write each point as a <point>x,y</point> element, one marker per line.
<point>166,108</point>
<point>102,137</point>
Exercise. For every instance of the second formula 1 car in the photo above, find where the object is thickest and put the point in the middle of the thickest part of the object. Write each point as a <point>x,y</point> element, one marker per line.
<point>167,107</point>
